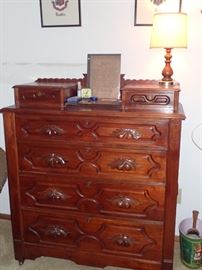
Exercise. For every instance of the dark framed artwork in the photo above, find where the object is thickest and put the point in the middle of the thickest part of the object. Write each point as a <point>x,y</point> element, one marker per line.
<point>60,13</point>
<point>144,9</point>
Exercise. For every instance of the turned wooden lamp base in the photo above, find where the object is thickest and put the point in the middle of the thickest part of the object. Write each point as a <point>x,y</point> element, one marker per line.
<point>167,72</point>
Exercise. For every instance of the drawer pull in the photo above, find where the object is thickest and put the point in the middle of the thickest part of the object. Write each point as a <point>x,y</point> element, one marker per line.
<point>38,96</point>
<point>150,99</point>
<point>89,219</point>
<point>123,164</point>
<point>56,231</point>
<point>52,130</point>
<point>55,195</point>
<point>88,184</point>
<point>127,133</point>
<point>122,202</point>
<point>123,240</point>
<point>54,160</point>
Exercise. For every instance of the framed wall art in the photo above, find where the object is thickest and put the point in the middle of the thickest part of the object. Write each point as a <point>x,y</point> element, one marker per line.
<point>144,9</point>
<point>60,13</point>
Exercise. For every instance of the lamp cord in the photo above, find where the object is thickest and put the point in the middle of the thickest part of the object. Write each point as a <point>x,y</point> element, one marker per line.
<point>193,137</point>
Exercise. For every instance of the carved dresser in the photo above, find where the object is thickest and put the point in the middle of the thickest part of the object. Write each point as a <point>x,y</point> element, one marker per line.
<point>94,183</point>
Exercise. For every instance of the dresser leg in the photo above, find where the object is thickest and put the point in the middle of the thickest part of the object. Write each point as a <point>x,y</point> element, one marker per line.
<point>167,265</point>
<point>21,262</point>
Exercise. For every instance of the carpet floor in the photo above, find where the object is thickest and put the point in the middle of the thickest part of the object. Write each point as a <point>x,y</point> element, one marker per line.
<point>7,261</point>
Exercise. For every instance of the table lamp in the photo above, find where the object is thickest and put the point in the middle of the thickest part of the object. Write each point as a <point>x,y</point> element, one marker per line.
<point>169,31</point>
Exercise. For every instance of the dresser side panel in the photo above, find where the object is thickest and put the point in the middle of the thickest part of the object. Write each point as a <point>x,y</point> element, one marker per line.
<point>171,192</point>
<point>13,182</point>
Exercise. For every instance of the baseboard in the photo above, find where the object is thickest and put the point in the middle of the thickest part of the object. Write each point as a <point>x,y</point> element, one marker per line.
<point>5,216</point>
<point>177,238</point>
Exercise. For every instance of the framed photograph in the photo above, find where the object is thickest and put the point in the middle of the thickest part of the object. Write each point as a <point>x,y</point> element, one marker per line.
<point>60,13</point>
<point>144,9</point>
<point>104,75</point>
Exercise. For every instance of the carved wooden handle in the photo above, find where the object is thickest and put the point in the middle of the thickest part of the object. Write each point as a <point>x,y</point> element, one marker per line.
<point>127,133</point>
<point>55,195</point>
<point>52,130</point>
<point>54,160</point>
<point>123,202</point>
<point>123,241</point>
<point>150,100</point>
<point>123,164</point>
<point>56,231</point>
<point>38,96</point>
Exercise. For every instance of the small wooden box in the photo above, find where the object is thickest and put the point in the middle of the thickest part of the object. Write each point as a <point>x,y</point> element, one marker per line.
<point>44,94</point>
<point>149,95</point>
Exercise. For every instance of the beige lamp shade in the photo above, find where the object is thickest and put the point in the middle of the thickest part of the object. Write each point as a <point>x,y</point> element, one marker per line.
<point>169,30</point>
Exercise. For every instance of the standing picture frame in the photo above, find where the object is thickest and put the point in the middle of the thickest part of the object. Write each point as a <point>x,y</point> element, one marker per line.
<point>60,13</point>
<point>104,75</point>
<point>144,10</point>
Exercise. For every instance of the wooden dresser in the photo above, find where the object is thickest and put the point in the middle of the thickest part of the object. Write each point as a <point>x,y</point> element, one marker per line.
<point>95,183</point>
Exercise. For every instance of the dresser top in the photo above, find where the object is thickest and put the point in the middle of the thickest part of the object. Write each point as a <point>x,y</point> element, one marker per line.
<point>138,98</point>
<point>45,84</point>
<point>99,111</point>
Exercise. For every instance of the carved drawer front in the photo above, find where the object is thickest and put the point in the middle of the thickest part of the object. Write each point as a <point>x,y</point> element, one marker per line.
<point>38,96</point>
<point>150,97</point>
<point>92,161</point>
<point>149,133</point>
<point>94,196</point>
<point>43,95</point>
<point>100,235</point>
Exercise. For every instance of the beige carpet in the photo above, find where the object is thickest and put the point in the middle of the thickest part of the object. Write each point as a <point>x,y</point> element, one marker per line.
<point>7,261</point>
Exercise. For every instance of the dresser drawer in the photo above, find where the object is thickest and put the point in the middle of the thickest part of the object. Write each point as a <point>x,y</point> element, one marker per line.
<point>98,235</point>
<point>90,161</point>
<point>44,95</point>
<point>101,197</point>
<point>112,131</point>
